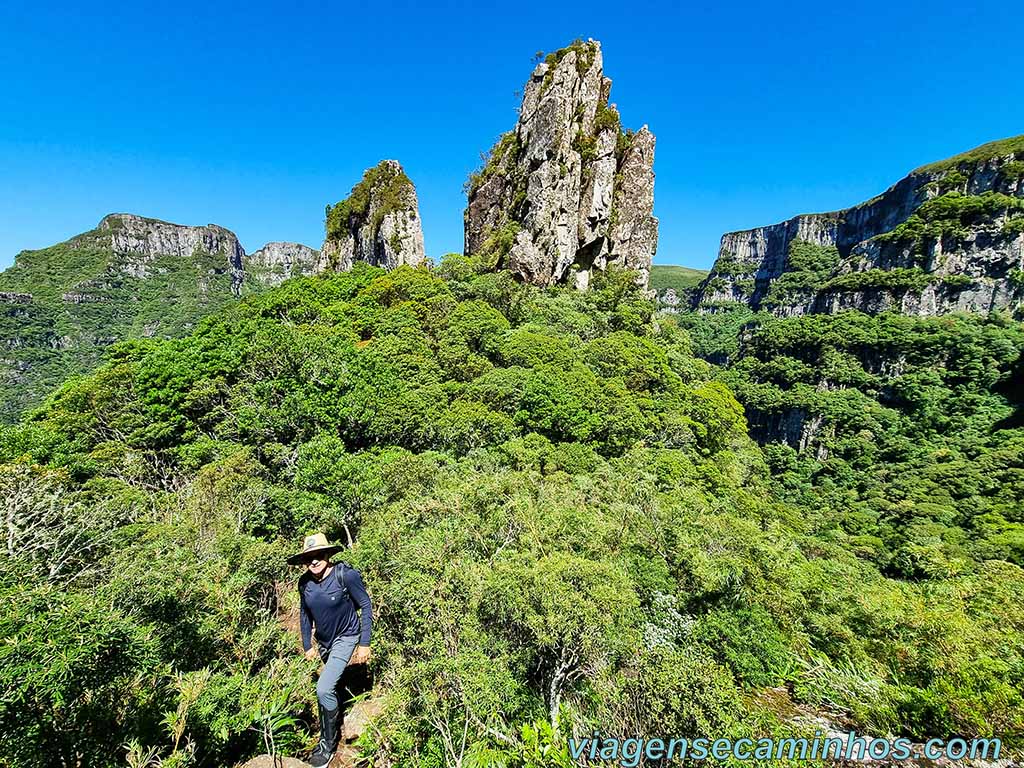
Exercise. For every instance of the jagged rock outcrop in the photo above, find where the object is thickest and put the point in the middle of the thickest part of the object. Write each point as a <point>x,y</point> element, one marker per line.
<point>567,190</point>
<point>142,241</point>
<point>12,297</point>
<point>275,262</point>
<point>379,223</point>
<point>948,237</point>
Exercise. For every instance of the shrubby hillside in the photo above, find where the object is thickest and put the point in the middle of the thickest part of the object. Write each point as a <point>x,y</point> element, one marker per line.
<point>557,507</point>
<point>130,277</point>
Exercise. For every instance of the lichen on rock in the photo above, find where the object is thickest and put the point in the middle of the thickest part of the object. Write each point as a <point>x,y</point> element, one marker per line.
<point>574,191</point>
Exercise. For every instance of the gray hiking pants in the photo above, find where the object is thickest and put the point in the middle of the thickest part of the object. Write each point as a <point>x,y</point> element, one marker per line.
<point>335,660</point>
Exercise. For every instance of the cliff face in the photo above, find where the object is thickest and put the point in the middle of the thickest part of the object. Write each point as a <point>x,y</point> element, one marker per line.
<point>566,191</point>
<point>948,237</point>
<point>142,242</point>
<point>379,223</point>
<point>275,262</point>
<point>130,277</point>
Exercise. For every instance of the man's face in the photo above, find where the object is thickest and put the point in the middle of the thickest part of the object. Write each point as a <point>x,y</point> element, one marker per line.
<point>316,566</point>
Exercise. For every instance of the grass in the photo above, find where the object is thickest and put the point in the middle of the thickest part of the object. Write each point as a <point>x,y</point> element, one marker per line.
<point>680,279</point>
<point>1001,148</point>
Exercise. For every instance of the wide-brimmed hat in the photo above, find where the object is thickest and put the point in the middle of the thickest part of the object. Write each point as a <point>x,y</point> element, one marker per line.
<point>314,544</point>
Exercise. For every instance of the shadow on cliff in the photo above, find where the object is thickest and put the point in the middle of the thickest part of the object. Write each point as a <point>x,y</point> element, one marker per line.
<point>1012,388</point>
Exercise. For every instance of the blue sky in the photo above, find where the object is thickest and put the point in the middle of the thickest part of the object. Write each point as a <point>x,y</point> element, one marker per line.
<point>256,115</point>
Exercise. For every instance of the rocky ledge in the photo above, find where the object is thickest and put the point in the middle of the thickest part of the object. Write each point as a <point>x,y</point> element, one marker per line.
<point>12,297</point>
<point>142,240</point>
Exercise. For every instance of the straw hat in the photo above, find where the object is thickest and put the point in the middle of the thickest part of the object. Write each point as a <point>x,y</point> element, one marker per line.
<point>314,544</point>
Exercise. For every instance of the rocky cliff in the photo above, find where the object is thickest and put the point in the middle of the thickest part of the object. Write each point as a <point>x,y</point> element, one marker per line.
<point>141,243</point>
<point>275,262</point>
<point>129,277</point>
<point>567,191</point>
<point>948,237</point>
<point>379,223</point>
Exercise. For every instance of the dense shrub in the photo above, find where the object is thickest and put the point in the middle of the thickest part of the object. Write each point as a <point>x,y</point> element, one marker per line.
<point>557,508</point>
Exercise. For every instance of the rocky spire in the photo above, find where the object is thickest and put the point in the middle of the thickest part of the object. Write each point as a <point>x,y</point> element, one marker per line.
<point>379,222</point>
<point>567,190</point>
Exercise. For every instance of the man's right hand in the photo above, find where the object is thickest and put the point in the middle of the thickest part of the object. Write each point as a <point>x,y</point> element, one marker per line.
<point>312,653</point>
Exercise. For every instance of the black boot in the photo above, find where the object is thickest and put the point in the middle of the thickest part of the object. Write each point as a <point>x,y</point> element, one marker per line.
<point>328,737</point>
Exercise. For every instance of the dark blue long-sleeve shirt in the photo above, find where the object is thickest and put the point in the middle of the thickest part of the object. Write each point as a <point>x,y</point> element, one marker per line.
<point>324,604</point>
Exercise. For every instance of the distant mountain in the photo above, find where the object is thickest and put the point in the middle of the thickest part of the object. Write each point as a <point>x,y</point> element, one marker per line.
<point>948,237</point>
<point>133,278</point>
<point>130,277</point>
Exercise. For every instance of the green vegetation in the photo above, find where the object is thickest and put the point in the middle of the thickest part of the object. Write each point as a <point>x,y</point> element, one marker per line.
<point>951,215</point>
<point>808,266</point>
<point>557,509</point>
<point>497,161</point>
<point>898,279</point>
<point>622,145</point>
<point>915,419</point>
<point>1001,148</point>
<point>728,265</point>
<point>1013,226</point>
<point>85,297</point>
<point>956,282</point>
<point>715,331</point>
<point>585,54</point>
<point>1012,172</point>
<point>950,181</point>
<point>386,185</point>
<point>680,279</point>
<point>586,145</point>
<point>607,117</point>
<point>491,255</point>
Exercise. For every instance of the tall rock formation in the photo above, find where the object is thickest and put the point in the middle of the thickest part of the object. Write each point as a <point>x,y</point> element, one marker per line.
<point>948,237</point>
<point>379,223</point>
<point>566,191</point>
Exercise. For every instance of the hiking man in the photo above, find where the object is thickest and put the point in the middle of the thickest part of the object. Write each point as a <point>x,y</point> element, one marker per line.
<point>329,596</point>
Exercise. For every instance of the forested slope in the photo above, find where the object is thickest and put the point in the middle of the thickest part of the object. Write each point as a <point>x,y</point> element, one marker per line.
<point>558,510</point>
<point>130,277</point>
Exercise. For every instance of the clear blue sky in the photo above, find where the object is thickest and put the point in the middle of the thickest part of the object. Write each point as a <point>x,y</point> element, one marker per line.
<point>255,115</point>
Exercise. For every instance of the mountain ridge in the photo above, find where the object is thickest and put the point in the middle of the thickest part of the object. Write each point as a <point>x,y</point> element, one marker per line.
<point>958,218</point>
<point>131,276</point>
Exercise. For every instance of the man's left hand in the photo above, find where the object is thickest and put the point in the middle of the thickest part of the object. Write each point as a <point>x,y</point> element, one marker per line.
<point>360,655</point>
